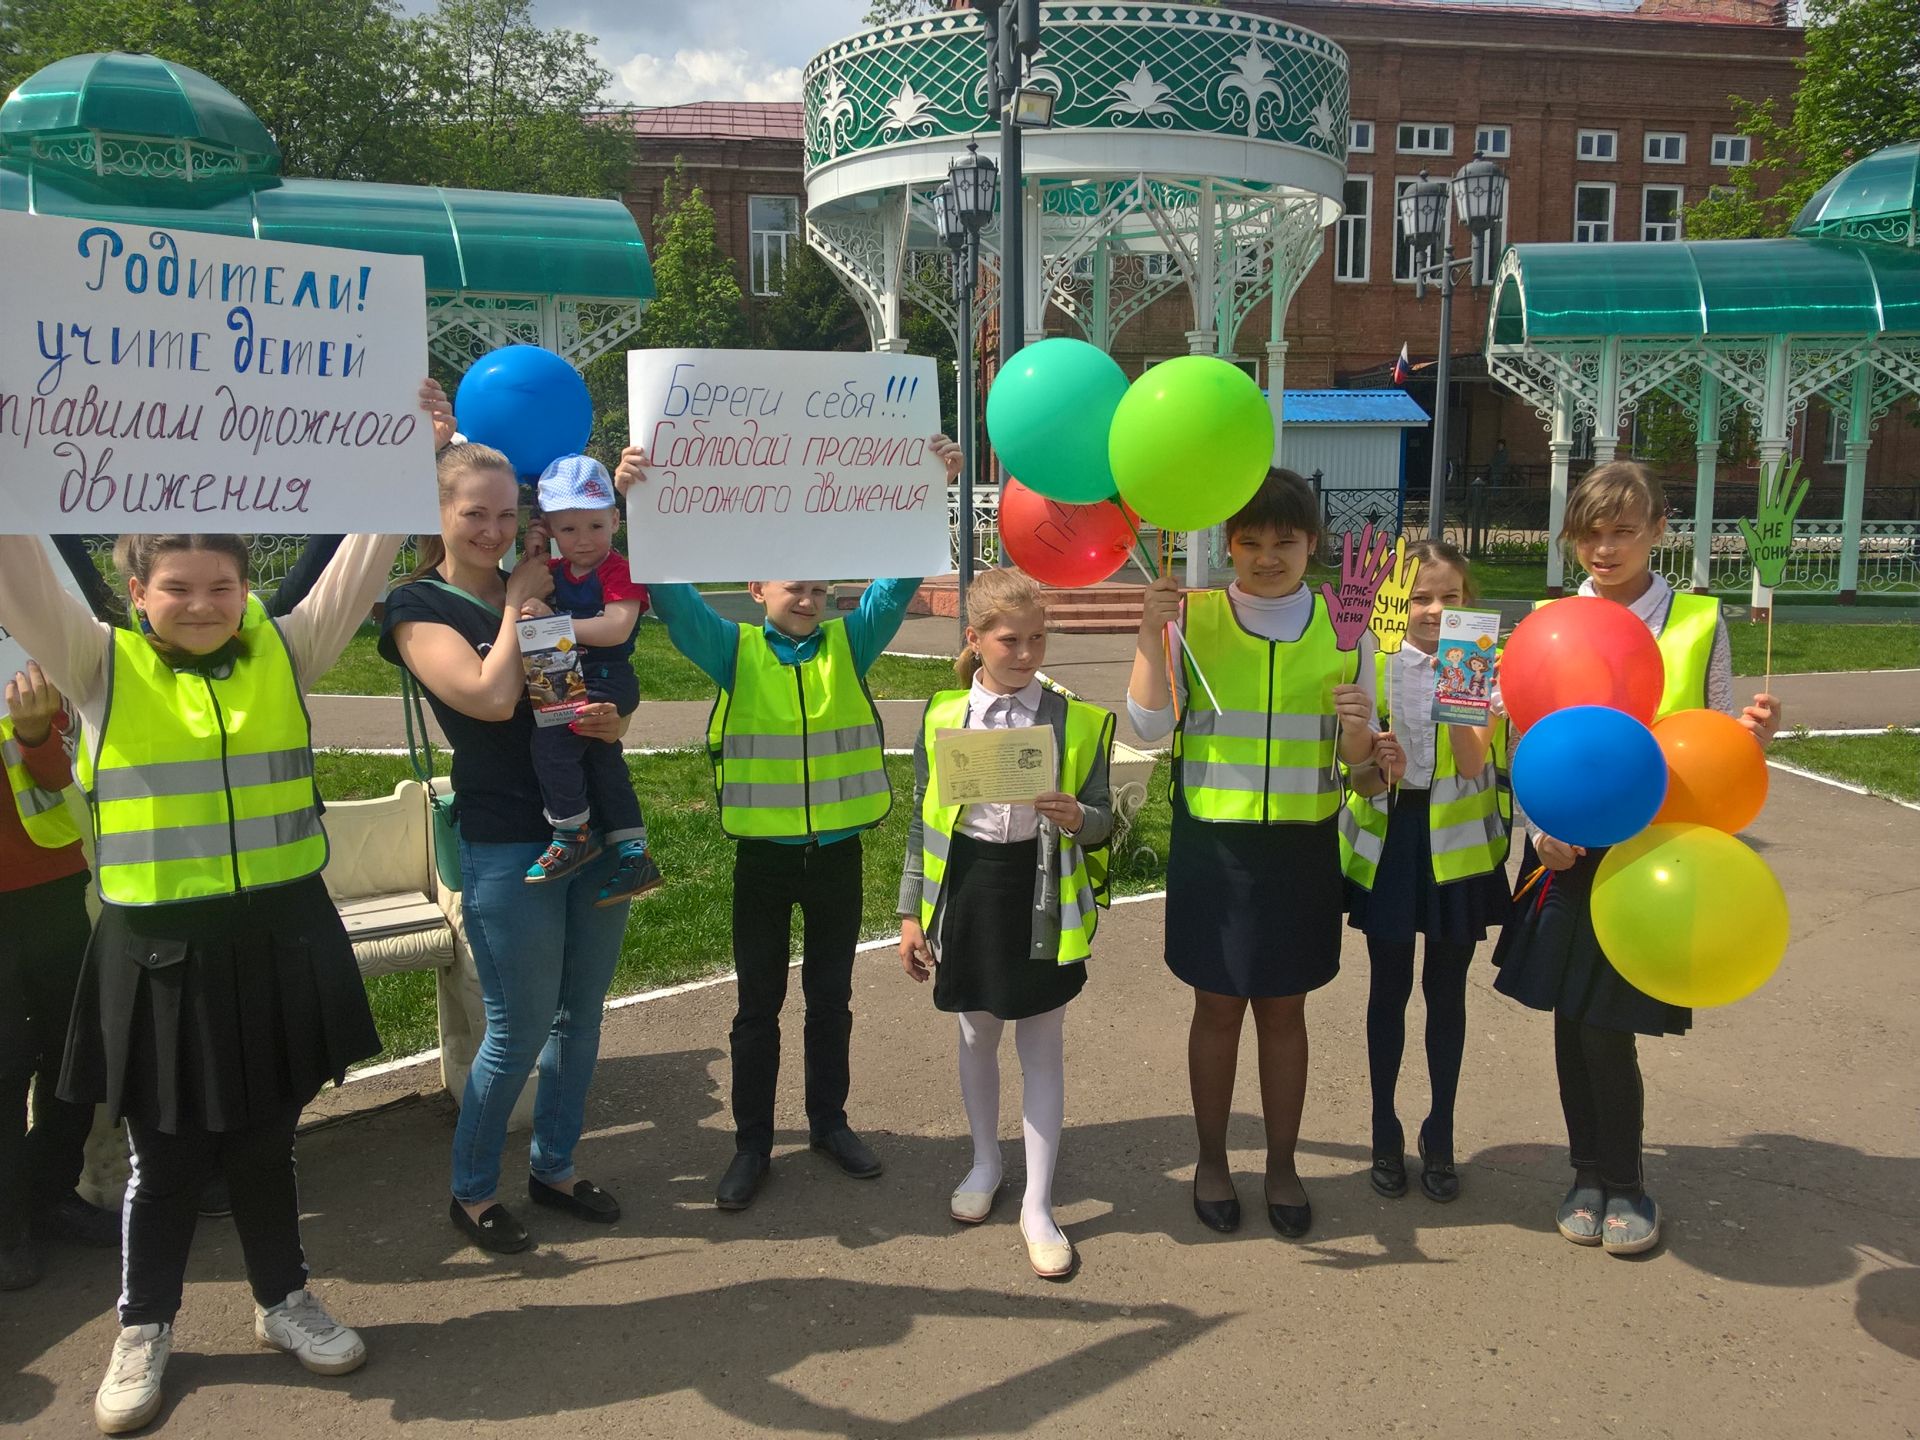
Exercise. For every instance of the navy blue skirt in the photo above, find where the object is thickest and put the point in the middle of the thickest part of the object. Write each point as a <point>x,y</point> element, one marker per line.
<point>1549,958</point>
<point>1406,901</point>
<point>1252,910</point>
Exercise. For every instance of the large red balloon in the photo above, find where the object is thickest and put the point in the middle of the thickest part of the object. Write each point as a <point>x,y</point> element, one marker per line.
<point>1581,651</point>
<point>1061,544</point>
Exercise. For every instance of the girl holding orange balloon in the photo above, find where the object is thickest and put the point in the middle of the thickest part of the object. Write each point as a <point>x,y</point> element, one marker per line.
<point>1550,956</point>
<point>1425,852</point>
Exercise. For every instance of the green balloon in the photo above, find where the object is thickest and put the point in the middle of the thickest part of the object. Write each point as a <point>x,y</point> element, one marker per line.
<point>1048,412</point>
<point>1190,442</point>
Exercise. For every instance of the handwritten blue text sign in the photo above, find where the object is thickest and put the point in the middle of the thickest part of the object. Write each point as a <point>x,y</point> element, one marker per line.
<point>784,465</point>
<point>172,380</point>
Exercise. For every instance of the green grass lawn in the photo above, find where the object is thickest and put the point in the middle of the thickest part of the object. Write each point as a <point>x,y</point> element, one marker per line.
<point>665,674</point>
<point>1886,764</point>
<point>1801,646</point>
<point>683,930</point>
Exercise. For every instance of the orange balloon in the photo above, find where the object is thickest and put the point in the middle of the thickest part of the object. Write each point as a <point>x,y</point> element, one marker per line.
<point>1716,771</point>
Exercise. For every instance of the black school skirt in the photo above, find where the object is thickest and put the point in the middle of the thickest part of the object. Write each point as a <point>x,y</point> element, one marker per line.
<point>1407,901</point>
<point>986,935</point>
<point>216,1014</point>
<point>1550,959</point>
<point>1253,910</point>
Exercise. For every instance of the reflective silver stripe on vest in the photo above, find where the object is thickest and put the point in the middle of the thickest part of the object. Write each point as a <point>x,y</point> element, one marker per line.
<point>1367,845</point>
<point>936,843</point>
<point>203,777</point>
<point>208,842</point>
<point>757,795</point>
<point>34,802</point>
<point>843,741</point>
<point>1449,788</point>
<point>1254,725</point>
<point>1469,834</point>
<point>1253,779</point>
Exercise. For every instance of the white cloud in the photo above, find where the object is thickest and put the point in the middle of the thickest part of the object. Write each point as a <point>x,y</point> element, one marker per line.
<point>686,75</point>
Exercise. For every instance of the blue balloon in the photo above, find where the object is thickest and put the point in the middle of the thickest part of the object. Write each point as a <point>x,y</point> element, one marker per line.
<point>1589,775</point>
<point>527,403</point>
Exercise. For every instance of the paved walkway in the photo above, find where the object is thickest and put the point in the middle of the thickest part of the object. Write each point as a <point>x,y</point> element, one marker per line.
<point>1785,1300</point>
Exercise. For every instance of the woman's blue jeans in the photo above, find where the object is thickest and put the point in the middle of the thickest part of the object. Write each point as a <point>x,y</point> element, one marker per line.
<point>546,955</point>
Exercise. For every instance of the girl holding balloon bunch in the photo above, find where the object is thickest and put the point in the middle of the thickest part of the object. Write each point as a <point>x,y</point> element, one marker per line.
<point>1549,957</point>
<point>1267,695</point>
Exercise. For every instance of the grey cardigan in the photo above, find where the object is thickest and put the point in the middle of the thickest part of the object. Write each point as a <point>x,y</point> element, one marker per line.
<point>1095,830</point>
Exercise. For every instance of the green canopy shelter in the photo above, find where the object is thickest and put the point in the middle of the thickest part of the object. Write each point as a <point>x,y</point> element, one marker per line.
<point>1588,331</point>
<point>141,140</point>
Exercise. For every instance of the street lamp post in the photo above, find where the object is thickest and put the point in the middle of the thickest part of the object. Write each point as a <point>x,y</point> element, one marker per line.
<point>1478,195</point>
<point>962,207</point>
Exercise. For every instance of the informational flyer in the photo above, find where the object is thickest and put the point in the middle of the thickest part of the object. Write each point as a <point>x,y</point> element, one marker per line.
<point>993,767</point>
<point>1463,684</point>
<point>551,658</point>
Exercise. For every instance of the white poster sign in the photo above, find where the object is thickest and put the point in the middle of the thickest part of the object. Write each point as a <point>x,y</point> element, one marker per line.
<point>177,381</point>
<point>778,464</point>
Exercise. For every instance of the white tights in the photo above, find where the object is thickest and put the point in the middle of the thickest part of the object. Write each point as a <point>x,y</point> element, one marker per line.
<point>1041,1042</point>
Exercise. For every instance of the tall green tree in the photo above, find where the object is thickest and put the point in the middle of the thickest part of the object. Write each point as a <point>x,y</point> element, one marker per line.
<point>1859,91</point>
<point>697,299</point>
<point>813,310</point>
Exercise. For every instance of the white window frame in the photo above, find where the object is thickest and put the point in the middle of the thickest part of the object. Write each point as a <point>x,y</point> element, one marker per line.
<point>1354,128</point>
<point>1406,131</point>
<point>1678,223</point>
<point>1612,213</point>
<point>1723,146</point>
<point>1589,140</point>
<point>1484,133</point>
<point>1158,265</point>
<point>1656,140</point>
<point>1250,364</point>
<point>1836,448</point>
<point>761,247</point>
<point>1346,229</point>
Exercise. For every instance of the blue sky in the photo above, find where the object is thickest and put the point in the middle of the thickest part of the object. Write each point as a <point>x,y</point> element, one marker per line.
<point>667,52</point>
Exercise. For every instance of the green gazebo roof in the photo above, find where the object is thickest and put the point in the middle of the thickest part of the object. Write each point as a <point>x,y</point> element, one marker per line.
<point>143,141</point>
<point>1876,199</point>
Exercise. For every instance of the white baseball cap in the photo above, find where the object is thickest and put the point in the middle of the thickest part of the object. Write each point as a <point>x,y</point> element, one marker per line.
<point>575,482</point>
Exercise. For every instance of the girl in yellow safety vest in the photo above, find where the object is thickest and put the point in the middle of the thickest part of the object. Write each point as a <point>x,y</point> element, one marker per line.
<point>1254,893</point>
<point>1427,845</point>
<point>219,990</point>
<point>1548,956</point>
<point>999,901</point>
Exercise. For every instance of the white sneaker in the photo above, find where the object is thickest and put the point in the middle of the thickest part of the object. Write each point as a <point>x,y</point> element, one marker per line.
<point>129,1394</point>
<point>301,1326</point>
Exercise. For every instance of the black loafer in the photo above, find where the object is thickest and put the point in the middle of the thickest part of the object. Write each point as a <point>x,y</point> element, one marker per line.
<point>1292,1221</point>
<point>584,1201</point>
<point>849,1152</point>
<point>1437,1179</point>
<point>1389,1176</point>
<point>1220,1215</point>
<point>495,1230</point>
<point>742,1179</point>
<point>20,1263</point>
<point>83,1223</point>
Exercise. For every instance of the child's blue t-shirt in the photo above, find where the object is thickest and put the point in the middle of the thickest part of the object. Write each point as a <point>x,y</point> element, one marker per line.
<point>585,596</point>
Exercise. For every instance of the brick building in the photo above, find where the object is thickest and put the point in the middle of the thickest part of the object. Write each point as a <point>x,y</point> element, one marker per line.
<point>1609,116</point>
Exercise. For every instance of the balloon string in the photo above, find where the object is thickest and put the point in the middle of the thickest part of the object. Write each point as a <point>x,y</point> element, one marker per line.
<point>1199,674</point>
<point>1768,687</point>
<point>1142,557</point>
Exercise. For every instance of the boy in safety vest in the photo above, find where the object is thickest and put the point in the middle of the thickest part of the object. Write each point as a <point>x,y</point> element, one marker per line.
<point>43,935</point>
<point>798,772</point>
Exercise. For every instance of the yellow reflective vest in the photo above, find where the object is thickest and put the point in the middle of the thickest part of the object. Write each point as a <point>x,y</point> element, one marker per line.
<point>1083,874</point>
<point>202,784</point>
<point>796,749</point>
<point>43,813</point>
<point>1469,820</point>
<point>1686,649</point>
<point>1266,755</point>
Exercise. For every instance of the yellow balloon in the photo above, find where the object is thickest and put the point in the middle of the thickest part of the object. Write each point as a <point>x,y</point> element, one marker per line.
<point>1689,915</point>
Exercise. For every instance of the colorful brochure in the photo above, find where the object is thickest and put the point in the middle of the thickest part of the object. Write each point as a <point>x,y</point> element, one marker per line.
<point>1463,674</point>
<point>551,658</point>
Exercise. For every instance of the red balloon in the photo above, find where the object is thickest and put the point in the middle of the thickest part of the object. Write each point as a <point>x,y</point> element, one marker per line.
<point>1581,651</point>
<point>1061,544</point>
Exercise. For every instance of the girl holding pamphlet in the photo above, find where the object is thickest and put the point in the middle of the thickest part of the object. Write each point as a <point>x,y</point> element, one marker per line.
<point>999,900</point>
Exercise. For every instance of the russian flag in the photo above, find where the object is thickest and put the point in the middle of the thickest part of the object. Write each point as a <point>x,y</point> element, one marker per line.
<point>1401,367</point>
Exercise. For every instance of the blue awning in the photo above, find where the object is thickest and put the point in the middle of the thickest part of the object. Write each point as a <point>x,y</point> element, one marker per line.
<point>1352,407</point>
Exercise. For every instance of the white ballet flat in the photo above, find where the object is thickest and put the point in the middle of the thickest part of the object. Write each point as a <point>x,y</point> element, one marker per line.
<point>1051,1259</point>
<point>970,1207</point>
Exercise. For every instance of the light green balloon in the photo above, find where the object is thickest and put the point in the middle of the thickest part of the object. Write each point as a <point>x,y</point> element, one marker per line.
<point>1190,442</point>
